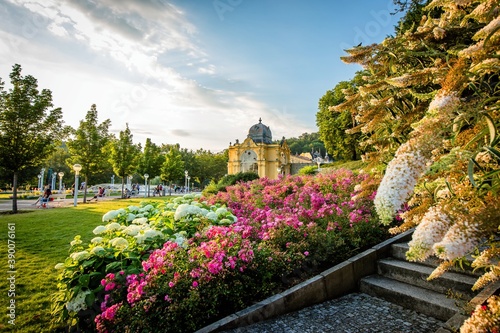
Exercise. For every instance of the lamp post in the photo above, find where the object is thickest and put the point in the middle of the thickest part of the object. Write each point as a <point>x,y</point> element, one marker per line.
<point>185,179</point>
<point>76,168</point>
<point>146,176</point>
<point>43,174</point>
<point>60,174</point>
<point>189,177</point>
<point>112,180</point>
<point>54,176</point>
<point>39,182</point>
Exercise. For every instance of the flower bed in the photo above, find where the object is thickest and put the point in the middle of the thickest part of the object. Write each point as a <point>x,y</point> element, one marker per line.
<point>178,266</point>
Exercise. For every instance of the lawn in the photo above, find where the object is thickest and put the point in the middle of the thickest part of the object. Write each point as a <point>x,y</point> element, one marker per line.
<point>42,240</point>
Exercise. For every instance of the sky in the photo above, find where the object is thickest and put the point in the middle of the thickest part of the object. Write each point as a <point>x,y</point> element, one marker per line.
<point>198,73</point>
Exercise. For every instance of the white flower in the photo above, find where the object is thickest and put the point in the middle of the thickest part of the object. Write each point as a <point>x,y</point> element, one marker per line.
<point>78,303</point>
<point>130,217</point>
<point>150,233</point>
<point>59,266</point>
<point>113,226</point>
<point>433,227</point>
<point>97,250</point>
<point>96,240</point>
<point>212,216</point>
<point>140,238</point>
<point>141,220</point>
<point>79,256</point>
<point>132,230</point>
<point>76,241</point>
<point>99,230</point>
<point>111,215</point>
<point>133,208</point>
<point>221,211</point>
<point>458,241</point>
<point>185,210</point>
<point>119,243</point>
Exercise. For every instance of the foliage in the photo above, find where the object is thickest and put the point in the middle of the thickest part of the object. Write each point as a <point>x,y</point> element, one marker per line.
<point>431,99</point>
<point>29,127</point>
<point>87,147</point>
<point>173,166</point>
<point>124,155</point>
<point>333,125</point>
<point>150,160</point>
<point>209,166</point>
<point>308,170</point>
<point>229,180</point>
<point>214,263</point>
<point>305,143</point>
<point>119,248</point>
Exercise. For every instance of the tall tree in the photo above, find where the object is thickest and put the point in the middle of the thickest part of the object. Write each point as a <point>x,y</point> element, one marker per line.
<point>87,146</point>
<point>209,166</point>
<point>124,155</point>
<point>173,167</point>
<point>333,125</point>
<point>29,126</point>
<point>151,160</point>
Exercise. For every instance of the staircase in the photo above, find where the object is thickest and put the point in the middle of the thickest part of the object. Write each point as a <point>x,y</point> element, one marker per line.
<point>405,283</point>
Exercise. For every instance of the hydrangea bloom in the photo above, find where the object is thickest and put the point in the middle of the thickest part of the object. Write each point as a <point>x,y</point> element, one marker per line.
<point>79,256</point>
<point>99,230</point>
<point>184,210</point>
<point>78,303</point>
<point>119,243</point>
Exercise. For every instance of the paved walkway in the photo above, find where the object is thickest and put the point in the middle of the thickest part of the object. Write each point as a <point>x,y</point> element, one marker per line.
<point>353,313</point>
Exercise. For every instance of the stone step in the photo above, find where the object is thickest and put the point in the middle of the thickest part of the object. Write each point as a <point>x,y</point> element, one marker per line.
<point>421,300</point>
<point>399,250</point>
<point>417,274</point>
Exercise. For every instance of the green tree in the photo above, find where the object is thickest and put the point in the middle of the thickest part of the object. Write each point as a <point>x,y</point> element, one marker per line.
<point>30,127</point>
<point>124,155</point>
<point>151,160</point>
<point>333,125</point>
<point>173,167</point>
<point>209,166</point>
<point>57,161</point>
<point>87,146</point>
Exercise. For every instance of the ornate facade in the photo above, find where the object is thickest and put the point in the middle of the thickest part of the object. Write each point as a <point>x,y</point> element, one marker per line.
<point>257,153</point>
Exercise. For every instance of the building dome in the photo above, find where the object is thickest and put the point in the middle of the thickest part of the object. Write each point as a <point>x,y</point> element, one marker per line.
<point>260,133</point>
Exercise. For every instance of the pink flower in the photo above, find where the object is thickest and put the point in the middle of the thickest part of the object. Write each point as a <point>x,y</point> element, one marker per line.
<point>195,284</point>
<point>306,253</point>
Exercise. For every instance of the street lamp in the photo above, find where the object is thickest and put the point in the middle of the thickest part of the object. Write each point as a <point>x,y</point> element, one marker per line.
<point>60,174</point>
<point>112,180</point>
<point>77,168</point>
<point>185,179</point>
<point>53,187</point>
<point>189,177</point>
<point>146,176</point>
<point>39,182</point>
<point>43,174</point>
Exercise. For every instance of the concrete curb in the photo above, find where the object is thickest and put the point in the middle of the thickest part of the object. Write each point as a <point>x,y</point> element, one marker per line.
<point>332,283</point>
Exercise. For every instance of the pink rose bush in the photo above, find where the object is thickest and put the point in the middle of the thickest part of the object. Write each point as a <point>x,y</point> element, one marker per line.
<point>259,238</point>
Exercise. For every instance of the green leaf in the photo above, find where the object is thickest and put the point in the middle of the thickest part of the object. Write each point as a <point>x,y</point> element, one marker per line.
<point>114,266</point>
<point>470,171</point>
<point>84,280</point>
<point>492,128</point>
<point>493,151</point>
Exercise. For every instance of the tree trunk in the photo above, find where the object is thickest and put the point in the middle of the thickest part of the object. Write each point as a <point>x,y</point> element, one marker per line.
<point>123,185</point>
<point>14,193</point>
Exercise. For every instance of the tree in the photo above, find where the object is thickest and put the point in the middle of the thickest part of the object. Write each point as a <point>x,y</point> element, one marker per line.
<point>173,167</point>
<point>209,166</point>
<point>151,160</point>
<point>333,125</point>
<point>124,155</point>
<point>29,126</point>
<point>87,146</point>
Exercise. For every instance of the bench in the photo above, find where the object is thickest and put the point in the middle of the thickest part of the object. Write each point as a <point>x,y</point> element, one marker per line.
<point>54,197</point>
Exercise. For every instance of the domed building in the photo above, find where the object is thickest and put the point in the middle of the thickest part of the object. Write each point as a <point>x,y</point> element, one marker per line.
<point>259,154</point>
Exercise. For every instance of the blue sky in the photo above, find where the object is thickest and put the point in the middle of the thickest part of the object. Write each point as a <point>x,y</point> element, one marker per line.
<point>195,72</point>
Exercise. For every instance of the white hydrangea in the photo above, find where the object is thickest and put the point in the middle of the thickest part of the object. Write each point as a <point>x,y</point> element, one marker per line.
<point>78,303</point>
<point>212,216</point>
<point>221,211</point>
<point>204,211</point>
<point>80,256</point>
<point>111,215</point>
<point>96,240</point>
<point>99,230</point>
<point>431,230</point>
<point>133,208</point>
<point>132,230</point>
<point>151,233</point>
<point>184,210</point>
<point>130,217</point>
<point>147,208</point>
<point>140,238</point>
<point>119,243</point>
<point>113,226</point>
<point>96,250</point>
<point>141,220</point>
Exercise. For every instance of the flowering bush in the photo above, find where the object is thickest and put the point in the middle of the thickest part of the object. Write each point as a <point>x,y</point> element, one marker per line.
<point>203,263</point>
<point>120,246</point>
<point>484,318</point>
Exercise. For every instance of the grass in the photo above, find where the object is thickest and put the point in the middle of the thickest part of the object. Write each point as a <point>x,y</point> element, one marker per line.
<point>42,240</point>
